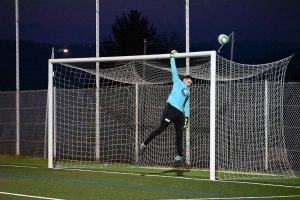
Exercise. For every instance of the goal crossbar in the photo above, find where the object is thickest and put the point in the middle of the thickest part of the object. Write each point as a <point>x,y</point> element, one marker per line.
<point>132,58</point>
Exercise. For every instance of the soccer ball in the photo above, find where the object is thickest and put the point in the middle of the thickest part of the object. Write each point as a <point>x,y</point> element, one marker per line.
<point>223,39</point>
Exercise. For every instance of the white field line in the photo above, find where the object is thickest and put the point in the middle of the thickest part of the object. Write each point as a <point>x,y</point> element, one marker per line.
<point>266,197</point>
<point>29,196</point>
<point>266,184</point>
<point>18,166</point>
<point>159,175</point>
<point>180,177</point>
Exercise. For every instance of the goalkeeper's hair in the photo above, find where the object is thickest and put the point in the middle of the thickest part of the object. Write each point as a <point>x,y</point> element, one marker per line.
<point>188,77</point>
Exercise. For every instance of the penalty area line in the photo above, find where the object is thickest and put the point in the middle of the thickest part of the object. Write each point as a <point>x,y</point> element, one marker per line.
<point>29,196</point>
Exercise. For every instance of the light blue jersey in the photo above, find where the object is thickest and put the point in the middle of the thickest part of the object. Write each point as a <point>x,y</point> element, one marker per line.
<point>180,94</point>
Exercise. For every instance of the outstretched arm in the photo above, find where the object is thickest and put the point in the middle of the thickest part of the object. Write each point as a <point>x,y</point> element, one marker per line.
<point>173,66</point>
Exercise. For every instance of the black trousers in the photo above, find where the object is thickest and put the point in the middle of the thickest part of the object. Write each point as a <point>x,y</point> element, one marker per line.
<point>170,115</point>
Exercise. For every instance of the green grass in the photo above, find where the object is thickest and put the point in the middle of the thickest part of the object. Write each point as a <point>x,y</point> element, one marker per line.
<point>129,183</point>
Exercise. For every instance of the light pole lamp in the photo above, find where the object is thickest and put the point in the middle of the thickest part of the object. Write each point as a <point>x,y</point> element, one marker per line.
<point>57,50</point>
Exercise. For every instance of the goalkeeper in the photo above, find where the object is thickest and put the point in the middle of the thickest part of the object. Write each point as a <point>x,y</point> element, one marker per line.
<point>176,111</point>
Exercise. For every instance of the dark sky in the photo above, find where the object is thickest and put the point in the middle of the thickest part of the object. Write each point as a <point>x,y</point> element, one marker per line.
<point>73,21</point>
<point>265,30</point>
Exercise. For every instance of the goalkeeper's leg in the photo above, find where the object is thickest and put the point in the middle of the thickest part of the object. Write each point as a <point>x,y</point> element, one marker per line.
<point>166,119</point>
<point>179,123</point>
<point>159,130</point>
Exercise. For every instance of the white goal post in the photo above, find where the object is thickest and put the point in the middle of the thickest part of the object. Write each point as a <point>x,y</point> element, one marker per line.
<point>240,139</point>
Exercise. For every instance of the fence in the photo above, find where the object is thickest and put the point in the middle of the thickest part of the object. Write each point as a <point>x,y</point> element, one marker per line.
<point>33,129</point>
<point>32,123</point>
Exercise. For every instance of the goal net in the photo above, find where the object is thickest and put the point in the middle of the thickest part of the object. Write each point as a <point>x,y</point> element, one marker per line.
<point>102,109</point>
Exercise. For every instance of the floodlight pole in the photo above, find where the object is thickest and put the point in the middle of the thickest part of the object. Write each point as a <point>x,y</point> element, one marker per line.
<point>232,46</point>
<point>145,52</point>
<point>228,114</point>
<point>145,46</point>
<point>52,53</point>
<point>17,81</point>
<point>97,107</point>
<point>187,61</point>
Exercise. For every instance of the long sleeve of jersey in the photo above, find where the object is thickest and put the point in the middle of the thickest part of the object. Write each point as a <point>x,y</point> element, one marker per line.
<point>186,107</point>
<point>179,96</point>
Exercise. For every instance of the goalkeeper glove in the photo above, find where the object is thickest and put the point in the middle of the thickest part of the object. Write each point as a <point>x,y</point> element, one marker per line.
<point>172,54</point>
<point>186,122</point>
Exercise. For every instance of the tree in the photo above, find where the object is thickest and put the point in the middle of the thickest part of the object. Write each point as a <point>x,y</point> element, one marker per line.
<point>166,42</point>
<point>129,32</point>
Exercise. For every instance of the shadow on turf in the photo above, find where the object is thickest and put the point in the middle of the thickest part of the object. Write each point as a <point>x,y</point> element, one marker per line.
<point>178,172</point>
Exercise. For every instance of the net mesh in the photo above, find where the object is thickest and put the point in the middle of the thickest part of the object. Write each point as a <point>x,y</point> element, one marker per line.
<point>132,94</point>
